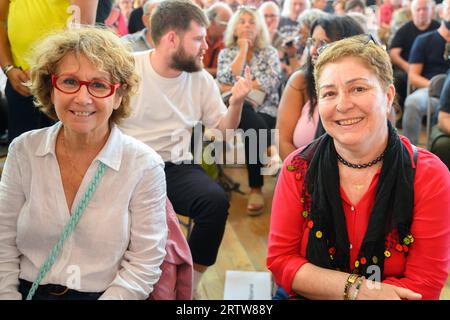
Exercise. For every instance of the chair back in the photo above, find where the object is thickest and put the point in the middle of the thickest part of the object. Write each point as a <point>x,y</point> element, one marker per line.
<point>436,84</point>
<point>434,91</point>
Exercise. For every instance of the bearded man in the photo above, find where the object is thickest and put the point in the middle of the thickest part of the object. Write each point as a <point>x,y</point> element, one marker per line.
<point>175,94</point>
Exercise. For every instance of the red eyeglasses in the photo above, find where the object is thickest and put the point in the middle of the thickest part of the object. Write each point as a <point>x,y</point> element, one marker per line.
<point>97,88</point>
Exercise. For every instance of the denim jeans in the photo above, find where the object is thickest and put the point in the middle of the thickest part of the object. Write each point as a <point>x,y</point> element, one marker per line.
<point>416,105</point>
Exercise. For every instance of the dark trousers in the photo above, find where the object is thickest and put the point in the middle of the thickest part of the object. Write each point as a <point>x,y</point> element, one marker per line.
<point>256,120</point>
<point>401,83</point>
<point>3,114</point>
<point>23,116</point>
<point>194,194</point>
<point>55,292</point>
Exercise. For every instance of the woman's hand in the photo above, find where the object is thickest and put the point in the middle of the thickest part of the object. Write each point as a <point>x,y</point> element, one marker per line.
<point>243,44</point>
<point>241,88</point>
<point>18,77</point>
<point>371,290</point>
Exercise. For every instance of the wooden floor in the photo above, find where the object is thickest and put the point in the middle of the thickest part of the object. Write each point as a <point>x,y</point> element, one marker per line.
<point>244,245</point>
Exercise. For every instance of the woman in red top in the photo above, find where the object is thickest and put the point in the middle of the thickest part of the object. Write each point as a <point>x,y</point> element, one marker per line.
<point>360,203</point>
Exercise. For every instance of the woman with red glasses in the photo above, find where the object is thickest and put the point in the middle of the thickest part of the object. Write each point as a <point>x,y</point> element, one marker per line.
<point>82,206</point>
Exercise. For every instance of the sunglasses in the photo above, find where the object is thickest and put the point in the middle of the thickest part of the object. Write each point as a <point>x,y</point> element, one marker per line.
<point>246,7</point>
<point>368,36</point>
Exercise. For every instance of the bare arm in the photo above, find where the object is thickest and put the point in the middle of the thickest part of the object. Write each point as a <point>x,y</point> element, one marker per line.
<point>444,122</point>
<point>212,71</point>
<point>5,50</point>
<point>225,87</point>
<point>414,76</point>
<point>395,54</point>
<point>314,282</point>
<point>16,76</point>
<point>238,93</point>
<point>289,111</point>
<point>237,66</point>
<point>88,10</point>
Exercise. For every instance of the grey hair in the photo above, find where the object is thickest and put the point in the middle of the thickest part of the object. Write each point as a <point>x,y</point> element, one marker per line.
<point>213,11</point>
<point>262,39</point>
<point>307,17</point>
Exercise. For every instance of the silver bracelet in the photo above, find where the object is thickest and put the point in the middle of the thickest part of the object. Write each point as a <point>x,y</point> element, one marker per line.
<point>7,68</point>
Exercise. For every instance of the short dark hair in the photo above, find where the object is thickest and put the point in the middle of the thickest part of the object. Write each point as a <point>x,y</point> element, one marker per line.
<point>336,28</point>
<point>175,15</point>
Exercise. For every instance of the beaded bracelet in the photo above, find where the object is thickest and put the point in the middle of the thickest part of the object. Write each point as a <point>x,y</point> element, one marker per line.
<point>350,281</point>
<point>358,286</point>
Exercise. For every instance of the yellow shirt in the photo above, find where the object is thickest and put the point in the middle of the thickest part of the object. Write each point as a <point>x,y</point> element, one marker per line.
<point>30,20</point>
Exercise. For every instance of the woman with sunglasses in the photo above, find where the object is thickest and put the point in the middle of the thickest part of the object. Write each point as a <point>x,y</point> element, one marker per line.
<point>360,213</point>
<point>83,168</point>
<point>297,119</point>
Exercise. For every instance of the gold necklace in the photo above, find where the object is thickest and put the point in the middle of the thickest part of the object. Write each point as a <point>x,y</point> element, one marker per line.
<point>72,165</point>
<point>358,186</point>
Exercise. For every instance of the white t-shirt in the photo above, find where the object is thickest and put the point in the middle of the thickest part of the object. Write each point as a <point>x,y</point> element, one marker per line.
<point>166,109</point>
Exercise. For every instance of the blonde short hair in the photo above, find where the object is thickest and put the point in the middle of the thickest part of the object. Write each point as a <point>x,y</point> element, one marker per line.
<point>362,47</point>
<point>262,39</point>
<point>100,46</point>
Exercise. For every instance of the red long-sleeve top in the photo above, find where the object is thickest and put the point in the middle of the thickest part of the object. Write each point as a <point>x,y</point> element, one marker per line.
<point>424,270</point>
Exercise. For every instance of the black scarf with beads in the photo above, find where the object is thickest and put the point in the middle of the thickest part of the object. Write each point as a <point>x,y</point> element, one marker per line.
<point>392,209</point>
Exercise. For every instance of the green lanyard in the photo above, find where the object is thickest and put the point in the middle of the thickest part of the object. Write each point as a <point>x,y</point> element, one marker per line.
<point>68,228</point>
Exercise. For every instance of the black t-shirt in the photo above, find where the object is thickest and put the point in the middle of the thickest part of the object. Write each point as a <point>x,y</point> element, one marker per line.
<point>135,23</point>
<point>405,36</point>
<point>428,49</point>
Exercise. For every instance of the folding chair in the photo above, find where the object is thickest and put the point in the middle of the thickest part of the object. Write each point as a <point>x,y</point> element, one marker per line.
<point>434,91</point>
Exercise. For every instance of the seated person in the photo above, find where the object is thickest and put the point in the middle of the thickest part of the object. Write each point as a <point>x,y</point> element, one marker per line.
<point>425,61</point>
<point>141,40</point>
<point>85,168</point>
<point>441,133</point>
<point>218,14</point>
<point>176,94</point>
<point>356,213</point>
<point>402,41</point>
<point>247,41</point>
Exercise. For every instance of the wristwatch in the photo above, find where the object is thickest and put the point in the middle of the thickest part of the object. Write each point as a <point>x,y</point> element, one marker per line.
<point>7,68</point>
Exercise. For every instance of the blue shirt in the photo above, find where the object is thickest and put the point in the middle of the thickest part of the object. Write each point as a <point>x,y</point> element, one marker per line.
<point>428,49</point>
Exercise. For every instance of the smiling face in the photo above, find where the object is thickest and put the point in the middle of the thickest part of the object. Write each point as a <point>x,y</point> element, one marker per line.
<point>352,104</point>
<point>80,112</point>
